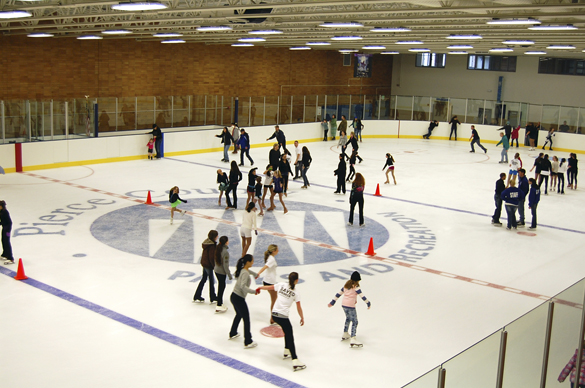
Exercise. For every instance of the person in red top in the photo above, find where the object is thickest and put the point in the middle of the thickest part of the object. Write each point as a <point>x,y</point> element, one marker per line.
<point>570,368</point>
<point>515,132</point>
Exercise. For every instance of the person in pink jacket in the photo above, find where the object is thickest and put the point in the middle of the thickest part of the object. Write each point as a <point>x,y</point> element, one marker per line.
<point>514,136</point>
<point>570,368</point>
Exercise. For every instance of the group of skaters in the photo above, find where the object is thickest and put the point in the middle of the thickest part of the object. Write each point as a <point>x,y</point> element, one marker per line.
<point>215,259</point>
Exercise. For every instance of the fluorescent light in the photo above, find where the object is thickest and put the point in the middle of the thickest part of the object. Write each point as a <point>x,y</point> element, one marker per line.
<point>347,51</point>
<point>346,38</point>
<point>520,42</point>
<point>501,50</point>
<point>247,40</point>
<point>341,24</point>
<point>409,42</point>
<point>560,47</point>
<point>419,50</point>
<point>553,28</point>
<point>265,32</point>
<point>89,37</point>
<point>457,52</point>
<point>374,47</point>
<point>14,14</point>
<point>460,46</point>
<point>299,48</point>
<point>242,45</point>
<point>389,52</point>
<point>173,41</point>
<point>40,35</point>
<point>513,21</point>
<point>535,52</point>
<point>390,29</point>
<point>464,37</point>
<point>213,28</point>
<point>167,35</point>
<point>116,32</point>
<point>144,6</point>
<point>318,44</point>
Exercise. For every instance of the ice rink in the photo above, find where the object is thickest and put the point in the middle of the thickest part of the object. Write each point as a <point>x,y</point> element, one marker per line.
<point>108,302</point>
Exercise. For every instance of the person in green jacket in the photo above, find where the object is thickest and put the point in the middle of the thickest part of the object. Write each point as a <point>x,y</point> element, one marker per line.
<point>333,124</point>
<point>506,144</point>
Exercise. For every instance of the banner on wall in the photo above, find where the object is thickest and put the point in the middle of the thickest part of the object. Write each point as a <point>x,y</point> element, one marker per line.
<point>362,67</point>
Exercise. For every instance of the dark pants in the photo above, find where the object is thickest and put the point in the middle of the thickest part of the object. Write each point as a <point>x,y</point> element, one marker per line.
<point>521,210</point>
<point>247,152</point>
<point>533,210</point>
<point>498,212</point>
<point>343,148</point>
<point>545,179</point>
<point>304,174</point>
<point>512,143</point>
<point>157,147</point>
<point>572,176</point>
<point>357,200</point>
<point>351,172</point>
<point>6,247</point>
<point>220,288</point>
<point>341,183</point>
<point>289,339</point>
<point>285,183</point>
<point>207,273</point>
<point>232,188</point>
<point>325,135</point>
<point>453,131</point>
<point>478,144</point>
<point>242,312</point>
<point>561,177</point>
<point>548,140</point>
<point>298,168</point>
<point>428,134</point>
<point>511,211</point>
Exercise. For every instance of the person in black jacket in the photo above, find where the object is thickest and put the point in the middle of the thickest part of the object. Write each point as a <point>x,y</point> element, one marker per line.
<point>6,223</point>
<point>340,173</point>
<point>500,187</point>
<point>235,178</point>
<point>432,126</point>
<point>223,182</point>
<point>280,138</point>
<point>507,130</point>
<point>306,164</point>
<point>354,144</point>
<point>545,170</point>
<point>226,139</point>
<point>274,157</point>
<point>174,199</point>
<point>157,135</point>
<point>207,264</point>
<point>352,159</point>
<point>285,170</point>
<point>454,121</point>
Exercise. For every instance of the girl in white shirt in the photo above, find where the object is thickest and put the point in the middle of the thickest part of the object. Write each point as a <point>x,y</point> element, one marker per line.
<point>287,295</point>
<point>561,176</point>
<point>270,275</point>
<point>554,173</point>
<point>248,225</point>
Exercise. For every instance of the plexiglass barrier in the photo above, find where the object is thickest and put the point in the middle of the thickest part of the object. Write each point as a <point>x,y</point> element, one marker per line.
<point>529,352</point>
<point>32,120</point>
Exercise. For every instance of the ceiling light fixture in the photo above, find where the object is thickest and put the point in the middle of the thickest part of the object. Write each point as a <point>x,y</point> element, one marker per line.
<point>374,47</point>
<point>248,40</point>
<point>265,32</point>
<point>173,41</point>
<point>89,37</point>
<point>464,37</point>
<point>347,51</point>
<point>341,24</point>
<point>457,52</point>
<point>518,42</point>
<point>116,32</point>
<point>460,46</point>
<point>560,47</point>
<point>242,45</point>
<point>299,48</point>
<point>318,44</point>
<point>143,6</point>
<point>14,14</point>
<point>513,21</point>
<point>419,50</point>
<point>40,35</point>
<point>409,42</point>
<point>390,29</point>
<point>389,52</point>
<point>167,35</point>
<point>553,28</point>
<point>346,38</point>
<point>501,50</point>
<point>535,52</point>
<point>213,28</point>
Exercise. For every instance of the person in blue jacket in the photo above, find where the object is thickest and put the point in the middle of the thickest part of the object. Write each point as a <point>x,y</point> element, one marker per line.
<point>533,199</point>
<point>511,197</point>
<point>244,143</point>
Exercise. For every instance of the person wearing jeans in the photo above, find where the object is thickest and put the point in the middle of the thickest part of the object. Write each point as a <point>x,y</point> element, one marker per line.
<point>226,139</point>
<point>511,197</point>
<point>506,145</point>
<point>306,163</point>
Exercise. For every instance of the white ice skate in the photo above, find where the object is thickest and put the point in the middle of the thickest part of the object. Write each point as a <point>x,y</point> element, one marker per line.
<point>345,336</point>
<point>220,309</point>
<point>355,343</point>
<point>297,365</point>
<point>286,354</point>
<point>171,220</point>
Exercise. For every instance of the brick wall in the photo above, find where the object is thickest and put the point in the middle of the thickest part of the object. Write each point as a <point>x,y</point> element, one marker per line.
<point>61,68</point>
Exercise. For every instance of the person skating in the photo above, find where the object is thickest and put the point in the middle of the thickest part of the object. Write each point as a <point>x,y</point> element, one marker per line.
<point>549,139</point>
<point>333,124</point>
<point>390,164</point>
<point>150,147</point>
<point>357,127</point>
<point>258,191</point>
<point>505,146</point>
<point>352,160</point>
<point>6,223</point>
<point>545,169</point>
<point>572,171</point>
<point>340,173</point>
<point>533,199</point>
<point>285,169</point>
<point>561,176</point>
<point>474,139</point>
<point>298,164</point>
<point>515,165</point>
<point>248,226</point>
<point>226,140</point>
<point>343,143</point>
<point>223,182</point>
<point>356,197</point>
<point>235,177</point>
<point>454,121</point>
<point>511,196</point>
<point>175,200</point>
<point>306,161</point>
<point>274,157</point>
<point>244,145</point>
<point>208,265</point>
<point>222,270</point>
<point>432,126</point>
<point>350,291</point>
<point>251,187</point>
<point>325,129</point>
<point>342,126</point>
<point>278,189</point>
<point>507,130</point>
<point>524,186</point>
<point>354,144</point>
<point>270,277</point>
<point>268,185</point>
<point>157,135</point>
<point>280,138</point>
<point>238,299</point>
<point>500,187</point>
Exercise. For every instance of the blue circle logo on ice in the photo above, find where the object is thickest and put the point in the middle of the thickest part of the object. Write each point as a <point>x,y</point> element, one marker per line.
<point>145,230</point>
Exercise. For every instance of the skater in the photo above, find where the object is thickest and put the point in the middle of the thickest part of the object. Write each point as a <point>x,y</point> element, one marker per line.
<point>511,196</point>
<point>270,277</point>
<point>235,132</point>
<point>474,139</point>
<point>342,126</point>
<point>554,173</point>
<point>258,190</point>
<point>343,142</point>
<point>287,295</point>
<point>532,134</point>
<point>390,164</point>
<point>251,188</point>
<point>538,165</point>
<point>357,126</point>
<point>285,170</point>
<point>150,146</point>
<point>350,291</point>
<point>226,140</point>
<point>297,162</point>
<point>278,189</point>
<point>6,223</point>
<point>244,145</point>
<point>507,130</point>
<point>238,299</point>
<point>306,164</point>
<point>174,199</point>
<point>570,368</point>
<point>157,135</point>
<point>333,124</point>
<point>223,182</point>
<point>561,176</point>
<point>545,168</point>
<point>432,126</point>
<point>515,165</point>
<point>274,157</point>
<point>234,178</point>
<point>340,173</point>
<point>248,225</point>
<point>353,140</point>
<point>325,128</point>
<point>352,166</point>
<point>500,187</point>
<point>515,135</point>
<point>222,270</point>
<point>549,139</point>
<point>454,121</point>
<point>208,257</point>
<point>268,180</point>
<point>525,189</point>
<point>572,171</point>
<point>533,199</point>
<point>280,138</point>
<point>357,197</point>
<point>505,146</point>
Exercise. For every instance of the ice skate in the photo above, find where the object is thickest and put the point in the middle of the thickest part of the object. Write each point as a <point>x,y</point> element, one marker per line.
<point>234,336</point>
<point>171,220</point>
<point>345,336</point>
<point>220,309</point>
<point>251,345</point>
<point>297,365</point>
<point>355,343</point>
<point>286,354</point>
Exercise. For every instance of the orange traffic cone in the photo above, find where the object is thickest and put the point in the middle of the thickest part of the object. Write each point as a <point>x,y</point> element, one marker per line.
<point>378,191</point>
<point>370,251</point>
<point>148,199</point>
<point>20,273</point>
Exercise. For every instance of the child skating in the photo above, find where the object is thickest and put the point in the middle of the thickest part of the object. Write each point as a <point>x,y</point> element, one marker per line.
<point>390,164</point>
<point>278,189</point>
<point>251,188</point>
<point>258,190</point>
<point>150,146</point>
<point>267,186</point>
<point>350,291</point>
<point>174,199</point>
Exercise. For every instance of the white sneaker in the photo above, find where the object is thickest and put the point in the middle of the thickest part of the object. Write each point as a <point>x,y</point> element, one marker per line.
<point>251,345</point>
<point>221,309</point>
<point>345,336</point>
<point>298,365</point>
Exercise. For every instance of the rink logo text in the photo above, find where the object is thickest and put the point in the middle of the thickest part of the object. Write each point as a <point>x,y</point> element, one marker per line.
<point>421,240</point>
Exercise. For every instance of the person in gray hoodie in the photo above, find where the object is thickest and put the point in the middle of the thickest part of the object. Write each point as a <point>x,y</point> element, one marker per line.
<point>222,270</point>
<point>238,299</point>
